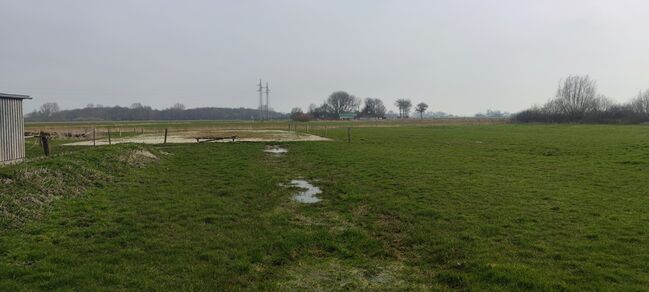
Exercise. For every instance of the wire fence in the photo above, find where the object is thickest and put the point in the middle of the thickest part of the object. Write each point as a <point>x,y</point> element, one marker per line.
<point>161,133</point>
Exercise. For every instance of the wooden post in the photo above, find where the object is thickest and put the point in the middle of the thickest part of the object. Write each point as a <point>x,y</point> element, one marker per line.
<point>109,141</point>
<point>120,132</point>
<point>349,135</point>
<point>94,136</point>
<point>165,136</point>
<point>45,141</point>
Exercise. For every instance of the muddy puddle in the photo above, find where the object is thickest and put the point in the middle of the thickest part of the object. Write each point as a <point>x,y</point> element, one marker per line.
<point>277,150</point>
<point>309,192</point>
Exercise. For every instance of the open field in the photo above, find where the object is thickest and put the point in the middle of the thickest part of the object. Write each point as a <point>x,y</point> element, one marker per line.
<point>407,206</point>
<point>275,124</point>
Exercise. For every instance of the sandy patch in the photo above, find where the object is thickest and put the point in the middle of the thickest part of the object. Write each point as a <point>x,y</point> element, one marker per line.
<point>220,136</point>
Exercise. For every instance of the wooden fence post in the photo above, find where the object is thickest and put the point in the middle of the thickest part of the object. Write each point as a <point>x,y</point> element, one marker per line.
<point>349,135</point>
<point>165,136</point>
<point>109,141</point>
<point>94,136</point>
<point>45,141</point>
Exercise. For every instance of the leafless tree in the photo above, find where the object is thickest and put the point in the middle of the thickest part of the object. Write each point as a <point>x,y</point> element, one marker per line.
<point>342,102</point>
<point>400,103</point>
<point>404,106</point>
<point>49,108</point>
<point>296,110</point>
<point>178,106</point>
<point>421,108</point>
<point>373,108</point>
<point>577,101</point>
<point>298,115</point>
<point>641,103</point>
<point>313,108</point>
<point>576,96</point>
<point>603,103</point>
<point>136,105</point>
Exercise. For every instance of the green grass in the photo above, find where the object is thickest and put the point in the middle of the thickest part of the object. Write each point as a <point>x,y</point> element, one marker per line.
<point>501,207</point>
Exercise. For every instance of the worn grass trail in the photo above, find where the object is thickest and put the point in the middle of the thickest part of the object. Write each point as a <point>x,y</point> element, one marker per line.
<point>464,207</point>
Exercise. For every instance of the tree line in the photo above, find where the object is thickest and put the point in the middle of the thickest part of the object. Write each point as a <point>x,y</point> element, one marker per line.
<point>341,102</point>
<point>138,112</point>
<point>577,101</point>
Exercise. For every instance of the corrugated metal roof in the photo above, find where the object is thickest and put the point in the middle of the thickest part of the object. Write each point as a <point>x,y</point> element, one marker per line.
<point>15,96</point>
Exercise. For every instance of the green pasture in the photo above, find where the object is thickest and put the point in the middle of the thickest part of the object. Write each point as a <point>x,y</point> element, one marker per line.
<point>414,207</point>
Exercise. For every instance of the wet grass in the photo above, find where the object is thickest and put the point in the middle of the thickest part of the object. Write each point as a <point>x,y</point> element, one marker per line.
<point>500,207</point>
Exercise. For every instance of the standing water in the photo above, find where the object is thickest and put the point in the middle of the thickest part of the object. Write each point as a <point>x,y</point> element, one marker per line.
<point>277,150</point>
<point>307,196</point>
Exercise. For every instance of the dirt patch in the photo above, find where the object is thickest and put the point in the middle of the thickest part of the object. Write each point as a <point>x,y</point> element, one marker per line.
<point>336,275</point>
<point>139,158</point>
<point>216,136</point>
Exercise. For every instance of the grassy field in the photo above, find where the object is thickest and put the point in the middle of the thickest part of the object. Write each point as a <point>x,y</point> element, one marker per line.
<point>477,207</point>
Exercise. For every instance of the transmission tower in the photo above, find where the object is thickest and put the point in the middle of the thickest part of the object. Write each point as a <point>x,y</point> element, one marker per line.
<point>267,102</point>
<point>261,101</point>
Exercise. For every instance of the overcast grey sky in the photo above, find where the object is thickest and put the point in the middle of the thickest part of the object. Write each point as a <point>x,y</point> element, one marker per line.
<point>459,56</point>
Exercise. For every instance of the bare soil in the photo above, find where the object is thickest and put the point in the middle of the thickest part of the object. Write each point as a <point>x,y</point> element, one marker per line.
<point>191,136</point>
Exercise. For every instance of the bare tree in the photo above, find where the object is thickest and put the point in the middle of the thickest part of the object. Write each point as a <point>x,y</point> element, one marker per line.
<point>576,96</point>
<point>373,108</point>
<point>641,103</point>
<point>577,101</point>
<point>404,106</point>
<point>399,104</point>
<point>342,102</point>
<point>325,111</point>
<point>49,108</point>
<point>178,106</point>
<point>136,105</point>
<point>357,102</point>
<point>313,108</point>
<point>298,115</point>
<point>296,111</point>
<point>602,103</point>
<point>421,108</point>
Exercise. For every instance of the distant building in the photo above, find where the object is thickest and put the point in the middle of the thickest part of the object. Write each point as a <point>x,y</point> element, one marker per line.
<point>347,116</point>
<point>12,128</point>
